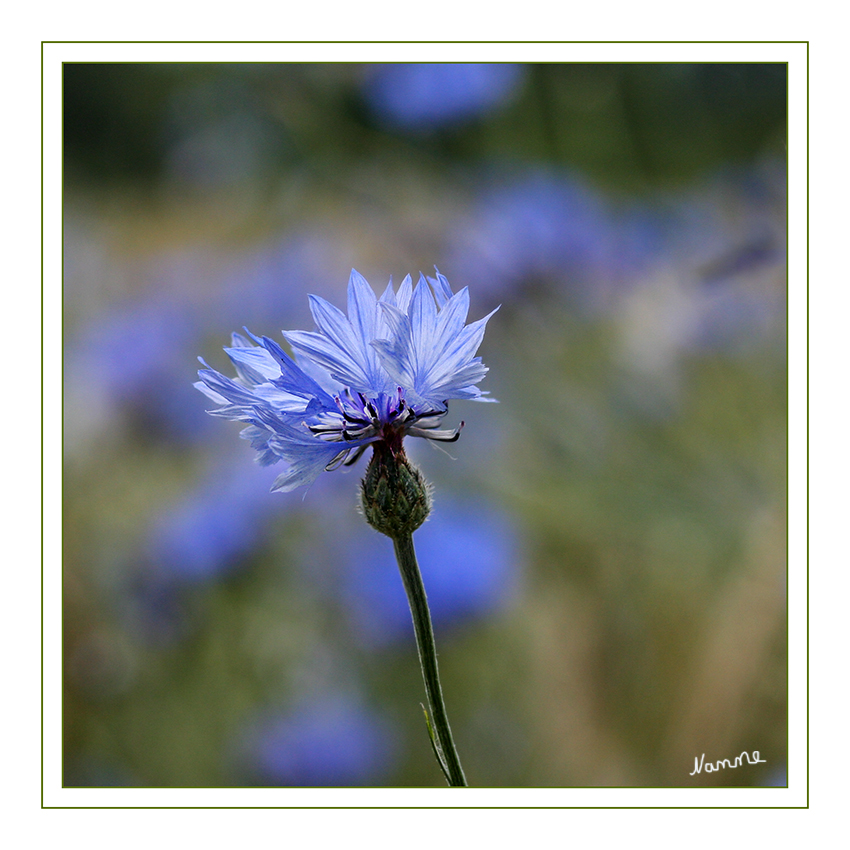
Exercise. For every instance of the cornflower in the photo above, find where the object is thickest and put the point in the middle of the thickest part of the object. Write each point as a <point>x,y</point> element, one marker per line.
<point>385,371</point>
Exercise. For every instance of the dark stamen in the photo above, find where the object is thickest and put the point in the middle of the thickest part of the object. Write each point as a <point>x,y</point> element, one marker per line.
<point>355,419</point>
<point>323,429</point>
<point>358,453</point>
<point>337,461</point>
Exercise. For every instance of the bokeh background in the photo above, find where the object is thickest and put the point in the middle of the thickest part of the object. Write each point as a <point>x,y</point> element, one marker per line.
<point>606,556</point>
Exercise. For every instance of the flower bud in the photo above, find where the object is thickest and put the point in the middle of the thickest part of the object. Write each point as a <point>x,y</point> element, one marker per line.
<point>394,494</point>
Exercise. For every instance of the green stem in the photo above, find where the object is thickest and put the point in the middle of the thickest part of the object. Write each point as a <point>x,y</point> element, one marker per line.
<point>444,745</point>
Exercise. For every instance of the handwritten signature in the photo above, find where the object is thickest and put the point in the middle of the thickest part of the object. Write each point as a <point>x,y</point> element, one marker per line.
<point>700,765</point>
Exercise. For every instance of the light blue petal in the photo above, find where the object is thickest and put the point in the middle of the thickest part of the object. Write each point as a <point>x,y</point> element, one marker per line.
<point>441,287</point>
<point>319,374</point>
<point>306,455</point>
<point>292,378</point>
<point>239,341</point>
<point>340,365</point>
<point>450,322</point>
<point>457,367</point>
<point>458,384</point>
<point>305,465</point>
<point>465,343</point>
<point>209,393</point>
<point>388,295</point>
<point>278,399</point>
<point>254,365</point>
<point>259,439</point>
<point>338,346</point>
<point>405,291</point>
<point>423,326</point>
<point>366,321</point>
<point>362,307</point>
<point>333,323</point>
<point>431,353</point>
<point>224,386</point>
<point>397,353</point>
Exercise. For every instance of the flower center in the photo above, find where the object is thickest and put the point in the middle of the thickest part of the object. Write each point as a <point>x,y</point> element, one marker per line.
<point>385,419</point>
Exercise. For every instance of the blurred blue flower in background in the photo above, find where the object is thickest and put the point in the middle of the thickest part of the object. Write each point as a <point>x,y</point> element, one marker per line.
<point>127,350</point>
<point>331,742</point>
<point>273,278</point>
<point>207,535</point>
<point>422,97</point>
<point>132,359</point>
<point>470,558</point>
<point>215,526</point>
<point>125,364</point>
<point>552,227</point>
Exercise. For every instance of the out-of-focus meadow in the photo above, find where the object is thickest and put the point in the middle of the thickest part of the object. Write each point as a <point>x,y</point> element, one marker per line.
<point>606,556</point>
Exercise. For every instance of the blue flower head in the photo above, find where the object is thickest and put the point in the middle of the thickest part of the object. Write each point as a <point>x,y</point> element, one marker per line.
<point>424,97</point>
<point>332,741</point>
<point>387,370</point>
